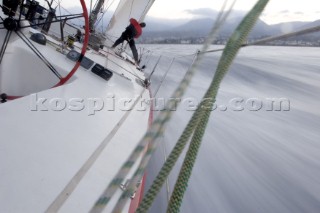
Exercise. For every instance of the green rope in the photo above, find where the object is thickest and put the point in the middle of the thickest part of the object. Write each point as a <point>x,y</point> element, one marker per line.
<point>156,130</point>
<point>180,145</point>
<point>169,164</point>
<point>150,138</point>
<point>153,145</point>
<point>232,48</point>
<point>184,138</point>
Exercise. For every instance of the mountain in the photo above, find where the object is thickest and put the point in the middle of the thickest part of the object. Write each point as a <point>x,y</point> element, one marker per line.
<point>157,24</point>
<point>178,29</point>
<point>287,27</point>
<point>201,28</point>
<point>311,36</point>
<point>260,29</point>
<point>196,28</point>
<point>310,24</point>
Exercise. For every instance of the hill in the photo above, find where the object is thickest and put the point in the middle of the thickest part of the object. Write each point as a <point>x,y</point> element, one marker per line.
<point>197,28</point>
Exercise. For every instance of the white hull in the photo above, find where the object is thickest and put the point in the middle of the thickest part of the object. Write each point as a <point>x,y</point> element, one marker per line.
<point>49,154</point>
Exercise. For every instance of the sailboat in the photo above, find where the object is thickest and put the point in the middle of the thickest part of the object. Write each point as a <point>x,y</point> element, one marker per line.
<point>69,120</point>
<point>75,119</point>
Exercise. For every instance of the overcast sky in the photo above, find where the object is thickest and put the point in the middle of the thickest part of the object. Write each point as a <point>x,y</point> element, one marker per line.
<point>276,11</point>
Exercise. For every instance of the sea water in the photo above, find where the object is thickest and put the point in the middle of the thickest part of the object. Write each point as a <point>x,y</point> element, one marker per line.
<point>261,149</point>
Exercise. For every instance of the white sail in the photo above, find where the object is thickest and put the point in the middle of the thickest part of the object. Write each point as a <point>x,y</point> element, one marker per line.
<point>126,9</point>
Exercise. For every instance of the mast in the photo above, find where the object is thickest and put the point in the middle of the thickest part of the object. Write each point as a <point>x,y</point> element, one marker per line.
<point>94,14</point>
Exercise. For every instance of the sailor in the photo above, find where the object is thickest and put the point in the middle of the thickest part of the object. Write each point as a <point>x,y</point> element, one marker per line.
<point>134,30</point>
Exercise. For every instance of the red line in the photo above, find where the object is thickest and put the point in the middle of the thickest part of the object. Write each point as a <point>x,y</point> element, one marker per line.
<point>10,97</point>
<point>151,108</point>
<point>84,46</point>
<point>83,50</point>
<point>139,193</point>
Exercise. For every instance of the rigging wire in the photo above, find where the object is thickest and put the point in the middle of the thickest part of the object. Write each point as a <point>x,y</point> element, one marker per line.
<point>150,2</point>
<point>132,2</point>
<point>59,2</point>
<point>5,44</point>
<point>269,39</point>
<point>153,133</point>
<point>259,42</point>
<point>84,46</point>
<point>90,6</point>
<point>123,67</point>
<point>109,37</point>
<point>25,39</point>
<point>154,68</point>
<point>272,38</point>
<point>262,41</point>
<point>61,26</point>
<point>34,25</point>
<point>164,77</point>
<point>232,48</point>
<point>104,12</point>
<point>150,138</point>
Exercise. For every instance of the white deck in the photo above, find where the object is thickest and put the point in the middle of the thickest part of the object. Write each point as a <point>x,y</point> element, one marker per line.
<point>42,151</point>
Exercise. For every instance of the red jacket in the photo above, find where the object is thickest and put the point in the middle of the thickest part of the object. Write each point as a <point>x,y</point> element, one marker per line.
<point>137,27</point>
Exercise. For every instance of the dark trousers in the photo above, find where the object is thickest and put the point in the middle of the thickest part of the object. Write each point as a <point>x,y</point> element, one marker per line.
<point>126,36</point>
